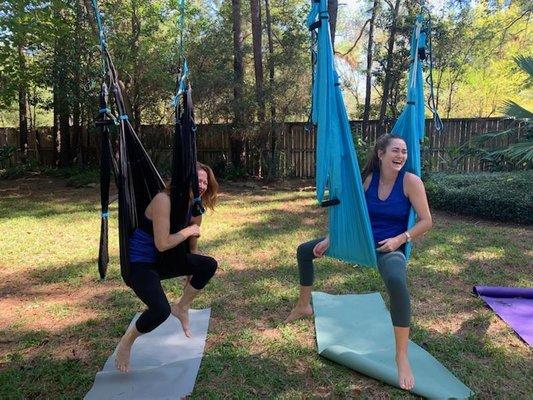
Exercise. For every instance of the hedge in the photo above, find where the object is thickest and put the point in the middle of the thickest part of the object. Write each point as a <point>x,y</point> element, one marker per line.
<point>501,196</point>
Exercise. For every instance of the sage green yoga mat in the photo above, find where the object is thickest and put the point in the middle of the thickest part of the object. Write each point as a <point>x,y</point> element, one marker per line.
<point>356,331</point>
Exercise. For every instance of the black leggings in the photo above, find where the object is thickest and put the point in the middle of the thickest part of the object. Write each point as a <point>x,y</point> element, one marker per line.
<point>392,268</point>
<point>146,283</point>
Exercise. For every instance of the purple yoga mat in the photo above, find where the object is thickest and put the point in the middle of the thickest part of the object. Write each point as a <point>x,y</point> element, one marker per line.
<point>513,305</point>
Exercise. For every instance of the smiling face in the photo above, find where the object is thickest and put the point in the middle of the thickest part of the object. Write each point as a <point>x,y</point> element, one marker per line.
<point>202,180</point>
<point>394,156</point>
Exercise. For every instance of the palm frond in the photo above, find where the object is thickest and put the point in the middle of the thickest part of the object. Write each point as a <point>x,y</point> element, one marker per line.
<point>526,63</point>
<point>514,110</point>
<point>521,152</point>
<point>493,135</point>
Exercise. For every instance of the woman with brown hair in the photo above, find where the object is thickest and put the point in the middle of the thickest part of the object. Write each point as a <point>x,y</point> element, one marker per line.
<point>149,267</point>
<point>390,193</point>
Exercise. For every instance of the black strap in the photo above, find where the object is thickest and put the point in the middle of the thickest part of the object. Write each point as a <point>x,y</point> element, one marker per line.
<point>318,24</point>
<point>315,25</point>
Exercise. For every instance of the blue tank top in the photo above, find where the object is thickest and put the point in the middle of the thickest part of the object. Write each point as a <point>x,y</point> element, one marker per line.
<point>142,246</point>
<point>388,217</point>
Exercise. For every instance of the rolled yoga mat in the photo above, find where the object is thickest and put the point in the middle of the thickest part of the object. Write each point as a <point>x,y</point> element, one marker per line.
<point>513,305</point>
<point>164,363</point>
<point>356,331</point>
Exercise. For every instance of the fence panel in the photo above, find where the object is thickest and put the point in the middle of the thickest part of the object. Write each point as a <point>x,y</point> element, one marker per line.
<point>295,145</point>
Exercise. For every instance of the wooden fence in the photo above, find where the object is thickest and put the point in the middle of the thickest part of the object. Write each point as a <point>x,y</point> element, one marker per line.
<point>295,147</point>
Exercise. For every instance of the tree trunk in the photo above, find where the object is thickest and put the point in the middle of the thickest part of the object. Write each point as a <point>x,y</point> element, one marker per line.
<point>136,91</point>
<point>333,6</point>
<point>272,173</point>
<point>55,125</point>
<point>255,10</point>
<point>76,110</point>
<point>63,112</point>
<point>395,94</point>
<point>236,139</point>
<point>450,95</point>
<point>65,153</point>
<point>437,87</point>
<point>366,114</point>
<point>39,147</point>
<point>262,134</point>
<point>388,68</point>
<point>23,105</point>
<point>61,104</point>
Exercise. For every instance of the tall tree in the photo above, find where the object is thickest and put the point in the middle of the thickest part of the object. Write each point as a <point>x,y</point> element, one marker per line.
<point>271,82</point>
<point>14,35</point>
<point>23,101</point>
<point>135,78</point>
<point>389,64</point>
<point>237,142</point>
<point>257,34</point>
<point>62,65</point>
<point>257,45</point>
<point>77,145</point>
<point>370,49</point>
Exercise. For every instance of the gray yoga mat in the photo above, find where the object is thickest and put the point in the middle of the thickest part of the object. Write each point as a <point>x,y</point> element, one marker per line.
<point>164,363</point>
<point>356,331</point>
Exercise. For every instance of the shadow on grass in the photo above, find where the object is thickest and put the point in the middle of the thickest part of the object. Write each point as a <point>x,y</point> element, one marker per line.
<point>73,274</point>
<point>231,368</point>
<point>44,205</point>
<point>266,197</point>
<point>61,364</point>
<point>273,225</point>
<point>262,292</point>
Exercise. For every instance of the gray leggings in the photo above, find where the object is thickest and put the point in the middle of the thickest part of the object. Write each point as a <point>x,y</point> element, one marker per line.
<point>392,268</point>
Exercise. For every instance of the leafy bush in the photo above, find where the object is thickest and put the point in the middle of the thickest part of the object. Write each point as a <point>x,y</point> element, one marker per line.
<point>6,152</point>
<point>502,196</point>
<point>75,176</point>
<point>19,170</point>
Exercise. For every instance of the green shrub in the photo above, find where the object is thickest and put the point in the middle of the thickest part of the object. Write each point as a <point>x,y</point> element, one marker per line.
<point>75,176</point>
<point>501,196</point>
<point>19,170</point>
<point>6,153</point>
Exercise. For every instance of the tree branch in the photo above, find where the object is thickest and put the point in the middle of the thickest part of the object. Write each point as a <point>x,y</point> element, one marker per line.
<point>356,40</point>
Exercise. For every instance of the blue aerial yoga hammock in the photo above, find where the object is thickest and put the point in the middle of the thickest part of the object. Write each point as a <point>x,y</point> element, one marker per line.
<point>410,125</point>
<point>337,170</point>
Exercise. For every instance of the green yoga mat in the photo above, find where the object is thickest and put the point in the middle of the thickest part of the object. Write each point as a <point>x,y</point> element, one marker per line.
<point>356,331</point>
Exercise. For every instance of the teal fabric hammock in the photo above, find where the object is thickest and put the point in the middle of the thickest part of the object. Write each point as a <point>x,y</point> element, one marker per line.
<point>337,170</point>
<point>411,123</point>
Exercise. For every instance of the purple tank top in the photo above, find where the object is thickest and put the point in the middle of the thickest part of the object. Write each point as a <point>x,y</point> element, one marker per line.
<point>388,217</point>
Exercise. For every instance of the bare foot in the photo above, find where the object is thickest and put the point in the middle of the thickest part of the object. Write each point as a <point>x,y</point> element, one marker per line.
<point>300,312</point>
<point>406,379</point>
<point>185,280</point>
<point>183,315</point>
<point>122,358</point>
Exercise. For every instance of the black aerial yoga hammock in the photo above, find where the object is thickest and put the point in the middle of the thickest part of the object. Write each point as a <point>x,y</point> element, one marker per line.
<point>136,176</point>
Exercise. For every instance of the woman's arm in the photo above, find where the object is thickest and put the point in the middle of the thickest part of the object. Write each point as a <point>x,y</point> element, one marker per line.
<point>160,213</point>
<point>416,192</point>
<point>193,240</point>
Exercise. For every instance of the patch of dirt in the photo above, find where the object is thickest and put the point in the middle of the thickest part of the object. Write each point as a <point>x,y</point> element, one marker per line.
<point>35,305</point>
<point>30,306</point>
<point>446,218</point>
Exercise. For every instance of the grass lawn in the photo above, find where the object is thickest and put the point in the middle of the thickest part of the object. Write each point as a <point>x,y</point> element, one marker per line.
<point>59,323</point>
